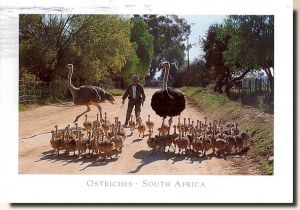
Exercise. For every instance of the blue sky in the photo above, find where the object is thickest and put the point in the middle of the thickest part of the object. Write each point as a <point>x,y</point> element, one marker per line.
<point>200,27</point>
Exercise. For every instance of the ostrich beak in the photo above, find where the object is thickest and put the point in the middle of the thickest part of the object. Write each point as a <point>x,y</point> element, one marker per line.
<point>163,63</point>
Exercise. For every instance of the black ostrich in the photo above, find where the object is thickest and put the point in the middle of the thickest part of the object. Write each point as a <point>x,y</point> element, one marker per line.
<point>167,102</point>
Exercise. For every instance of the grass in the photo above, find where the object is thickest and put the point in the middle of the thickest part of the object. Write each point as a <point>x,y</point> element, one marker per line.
<point>117,92</point>
<point>22,107</point>
<point>266,167</point>
<point>39,102</point>
<point>260,100</point>
<point>259,124</point>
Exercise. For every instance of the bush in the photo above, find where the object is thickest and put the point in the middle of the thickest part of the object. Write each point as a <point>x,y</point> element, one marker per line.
<point>116,92</point>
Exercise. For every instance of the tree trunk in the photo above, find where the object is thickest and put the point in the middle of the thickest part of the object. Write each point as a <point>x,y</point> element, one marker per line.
<point>148,78</point>
<point>122,84</point>
<point>151,75</point>
<point>223,80</point>
<point>233,81</point>
<point>219,85</point>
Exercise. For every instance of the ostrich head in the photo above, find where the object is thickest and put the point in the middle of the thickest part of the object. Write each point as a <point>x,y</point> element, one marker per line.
<point>165,64</point>
<point>69,66</point>
<point>110,98</point>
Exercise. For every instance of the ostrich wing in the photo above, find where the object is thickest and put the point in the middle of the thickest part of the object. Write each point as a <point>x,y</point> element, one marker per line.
<point>87,94</point>
<point>102,93</point>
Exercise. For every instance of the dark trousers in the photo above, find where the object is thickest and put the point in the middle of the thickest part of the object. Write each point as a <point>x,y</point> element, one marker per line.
<point>133,103</point>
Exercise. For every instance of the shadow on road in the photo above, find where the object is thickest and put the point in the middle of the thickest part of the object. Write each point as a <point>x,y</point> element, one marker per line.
<point>137,140</point>
<point>146,158</point>
<point>93,160</point>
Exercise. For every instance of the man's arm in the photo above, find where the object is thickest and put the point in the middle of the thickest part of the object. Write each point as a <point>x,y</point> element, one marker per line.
<point>143,93</point>
<point>126,94</point>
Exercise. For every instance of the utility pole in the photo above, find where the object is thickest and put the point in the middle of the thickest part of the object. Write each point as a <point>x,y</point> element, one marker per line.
<point>188,53</point>
<point>189,46</point>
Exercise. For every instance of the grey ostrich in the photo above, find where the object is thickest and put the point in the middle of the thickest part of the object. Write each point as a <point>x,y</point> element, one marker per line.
<point>87,95</point>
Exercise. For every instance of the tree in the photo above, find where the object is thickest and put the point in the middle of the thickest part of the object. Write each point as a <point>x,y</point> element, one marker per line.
<point>37,44</point>
<point>121,79</point>
<point>213,48</point>
<point>251,46</point>
<point>102,47</point>
<point>95,44</point>
<point>138,62</point>
<point>242,44</point>
<point>195,75</point>
<point>144,41</point>
<point>168,31</point>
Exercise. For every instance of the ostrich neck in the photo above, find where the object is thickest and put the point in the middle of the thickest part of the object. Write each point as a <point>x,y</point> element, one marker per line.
<point>165,80</point>
<point>71,87</point>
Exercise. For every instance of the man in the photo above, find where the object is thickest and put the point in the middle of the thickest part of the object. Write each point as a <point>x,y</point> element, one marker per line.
<point>136,96</point>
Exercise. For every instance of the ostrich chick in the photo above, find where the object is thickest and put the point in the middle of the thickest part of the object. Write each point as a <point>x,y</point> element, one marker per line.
<point>141,127</point>
<point>88,125</point>
<point>149,124</point>
<point>152,143</point>
<point>131,124</point>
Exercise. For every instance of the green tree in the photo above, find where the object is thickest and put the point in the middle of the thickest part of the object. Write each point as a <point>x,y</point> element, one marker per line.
<point>168,31</point>
<point>37,44</point>
<point>130,68</point>
<point>144,41</point>
<point>141,53</point>
<point>102,47</point>
<point>213,48</point>
<point>251,46</point>
<point>242,44</point>
<point>95,44</point>
<point>195,75</point>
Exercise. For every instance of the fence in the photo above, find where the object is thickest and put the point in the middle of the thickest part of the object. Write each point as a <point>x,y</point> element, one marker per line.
<point>39,91</point>
<point>36,91</point>
<point>253,85</point>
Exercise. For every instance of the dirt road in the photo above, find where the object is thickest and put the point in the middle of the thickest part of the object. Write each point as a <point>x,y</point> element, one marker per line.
<point>35,149</point>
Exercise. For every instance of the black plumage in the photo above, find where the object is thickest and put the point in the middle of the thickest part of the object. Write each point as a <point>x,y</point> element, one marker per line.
<point>167,102</point>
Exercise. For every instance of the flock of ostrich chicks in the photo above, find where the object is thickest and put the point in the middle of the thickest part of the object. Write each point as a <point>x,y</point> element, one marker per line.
<point>100,136</point>
<point>104,138</point>
<point>199,138</point>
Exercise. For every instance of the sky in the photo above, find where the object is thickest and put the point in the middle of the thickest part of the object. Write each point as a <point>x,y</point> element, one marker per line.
<point>199,29</point>
<point>199,26</point>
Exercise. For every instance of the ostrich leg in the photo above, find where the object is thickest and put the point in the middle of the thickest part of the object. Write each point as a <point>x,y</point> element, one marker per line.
<point>163,133</point>
<point>88,109</point>
<point>170,123</point>
<point>100,111</point>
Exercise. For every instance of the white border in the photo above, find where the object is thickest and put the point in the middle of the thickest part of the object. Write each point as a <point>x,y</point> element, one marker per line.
<point>218,189</point>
